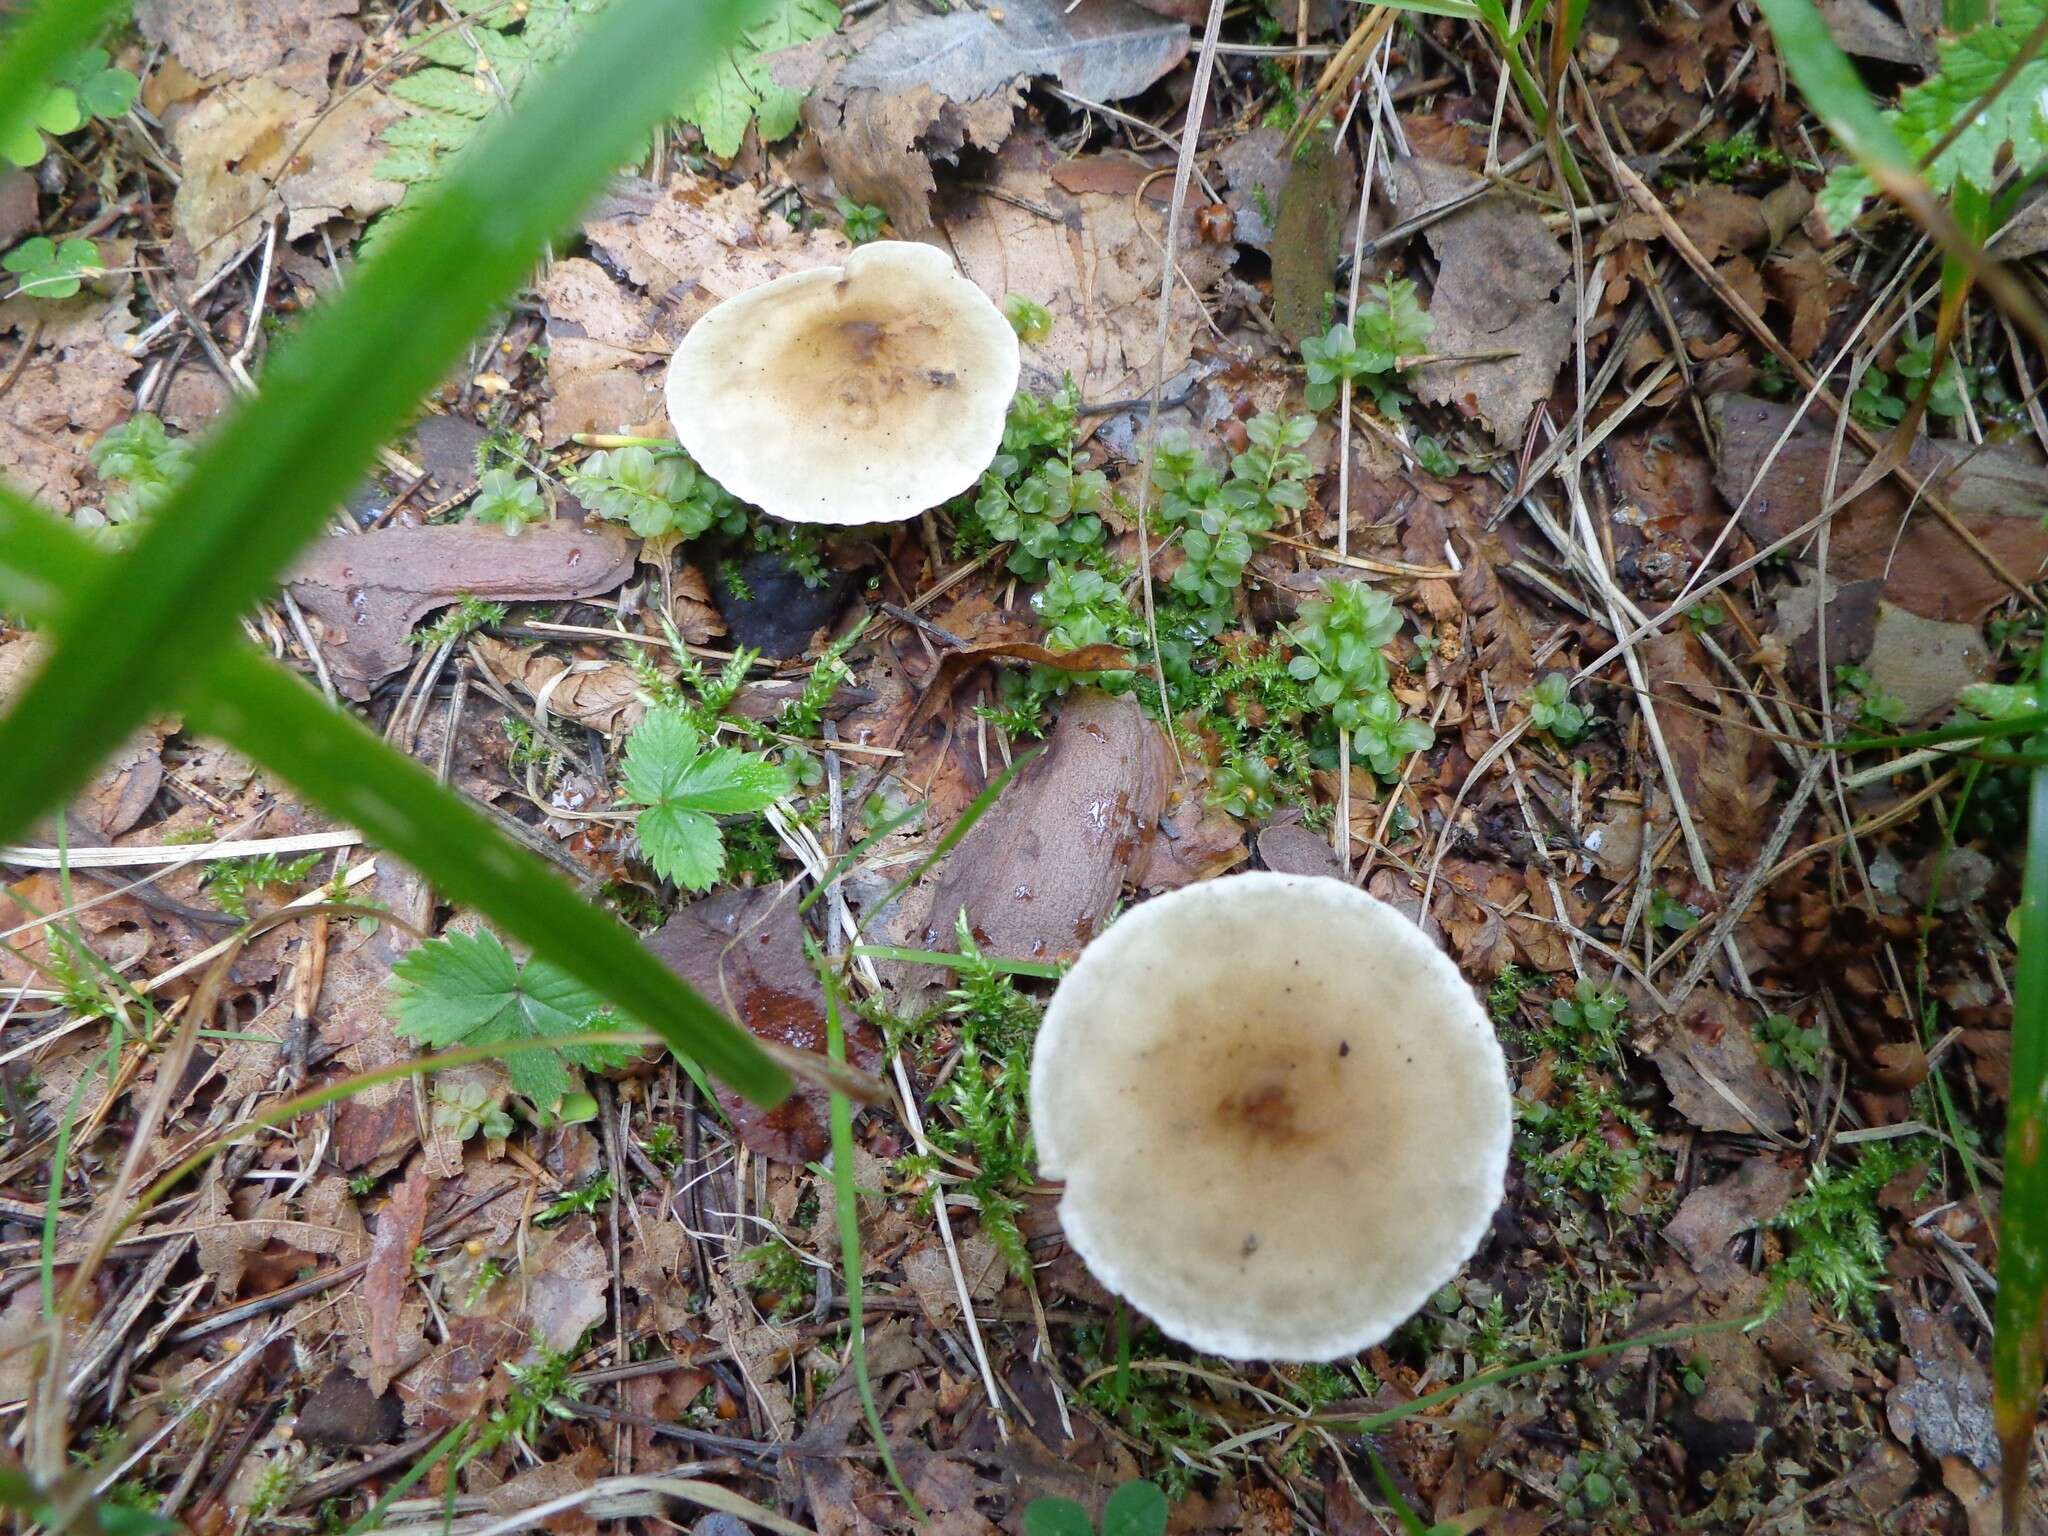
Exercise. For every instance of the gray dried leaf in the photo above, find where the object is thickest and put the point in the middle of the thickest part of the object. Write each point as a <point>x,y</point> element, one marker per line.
<point>1103,50</point>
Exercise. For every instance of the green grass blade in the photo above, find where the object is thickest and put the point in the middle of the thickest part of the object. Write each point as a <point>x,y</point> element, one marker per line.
<point>35,47</point>
<point>352,773</point>
<point>1457,10</point>
<point>347,769</point>
<point>263,484</point>
<point>2022,1317</point>
<point>848,1215</point>
<point>1835,91</point>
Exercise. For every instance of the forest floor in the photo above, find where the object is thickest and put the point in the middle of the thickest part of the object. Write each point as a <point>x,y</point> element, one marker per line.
<point>1755,995</point>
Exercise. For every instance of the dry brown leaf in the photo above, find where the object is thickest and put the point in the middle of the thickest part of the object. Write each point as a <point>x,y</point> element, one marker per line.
<point>1095,267</point>
<point>1998,492</point>
<point>1804,287</point>
<point>399,1228</point>
<point>1038,874</point>
<point>1724,767</point>
<point>604,695</point>
<point>1709,1061</point>
<point>879,146</point>
<point>1714,1215</point>
<point>73,388</point>
<point>253,150</point>
<point>1943,1394</point>
<point>930,1276</point>
<point>1503,285</point>
<point>366,591</point>
<point>691,245</point>
<point>287,41</point>
<point>1196,841</point>
<point>566,1276</point>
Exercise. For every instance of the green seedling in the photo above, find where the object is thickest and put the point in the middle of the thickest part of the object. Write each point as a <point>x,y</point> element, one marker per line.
<point>463,1109</point>
<point>1391,328</point>
<point>860,222</point>
<point>87,85</point>
<point>1135,1509</point>
<point>1341,640</point>
<point>1032,497</point>
<point>655,494</point>
<point>1032,322</point>
<point>1876,706</point>
<point>144,462</point>
<point>681,785</point>
<point>1220,516</point>
<point>511,500</point>
<point>1788,1045</point>
<point>1551,709</point>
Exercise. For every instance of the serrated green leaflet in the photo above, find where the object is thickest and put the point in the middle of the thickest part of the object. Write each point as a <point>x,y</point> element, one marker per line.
<point>132,636</point>
<point>467,989</point>
<point>352,773</point>
<point>681,787</point>
<point>741,88</point>
<point>1943,113</point>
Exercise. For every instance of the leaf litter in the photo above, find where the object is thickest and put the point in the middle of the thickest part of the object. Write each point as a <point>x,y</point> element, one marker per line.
<point>584,1245</point>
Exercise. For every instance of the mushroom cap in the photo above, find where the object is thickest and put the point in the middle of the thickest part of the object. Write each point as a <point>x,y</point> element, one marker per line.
<point>1281,1114</point>
<point>861,393</point>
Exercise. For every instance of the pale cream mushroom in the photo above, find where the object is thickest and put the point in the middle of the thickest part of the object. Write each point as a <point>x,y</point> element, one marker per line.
<point>1281,1114</point>
<point>863,393</point>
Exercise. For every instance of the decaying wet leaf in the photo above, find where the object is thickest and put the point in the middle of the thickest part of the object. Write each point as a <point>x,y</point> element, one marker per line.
<point>1924,663</point>
<point>957,663</point>
<point>1502,284</point>
<point>1320,188</point>
<point>744,950</point>
<point>1709,1060</point>
<point>567,1278</point>
<point>1715,1214</point>
<point>1094,265</point>
<point>368,590</point>
<point>1724,767</point>
<point>1103,50</point>
<point>2000,493</point>
<point>1040,871</point>
<point>1943,1395</point>
<point>880,146</point>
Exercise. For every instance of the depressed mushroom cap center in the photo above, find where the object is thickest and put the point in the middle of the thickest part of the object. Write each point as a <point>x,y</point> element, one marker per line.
<point>850,394</point>
<point>1281,1115</point>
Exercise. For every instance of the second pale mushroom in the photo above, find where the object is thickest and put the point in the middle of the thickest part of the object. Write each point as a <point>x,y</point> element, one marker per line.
<point>1280,1112</point>
<point>862,393</point>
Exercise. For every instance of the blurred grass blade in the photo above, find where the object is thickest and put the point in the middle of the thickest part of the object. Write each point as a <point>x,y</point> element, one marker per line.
<point>31,50</point>
<point>2022,1318</point>
<point>847,1213</point>
<point>1835,91</point>
<point>271,716</point>
<point>1457,10</point>
<point>347,769</point>
<point>129,640</point>
<point>1837,94</point>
